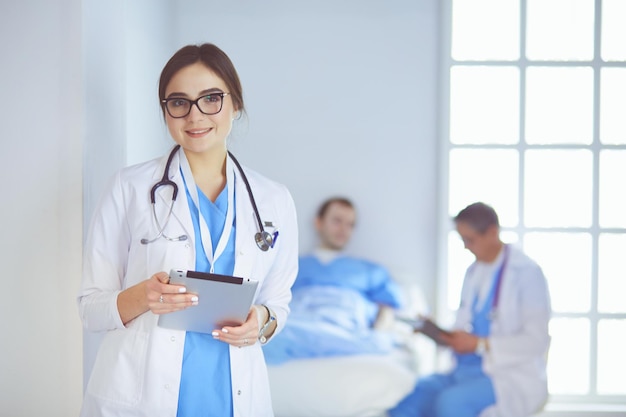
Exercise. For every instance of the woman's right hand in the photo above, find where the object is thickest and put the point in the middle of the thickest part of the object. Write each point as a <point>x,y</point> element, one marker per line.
<point>164,297</point>
<point>146,296</point>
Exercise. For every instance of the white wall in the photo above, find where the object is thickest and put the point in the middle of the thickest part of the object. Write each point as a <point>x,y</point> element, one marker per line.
<point>82,77</point>
<point>341,99</point>
<point>40,249</point>
<point>121,67</point>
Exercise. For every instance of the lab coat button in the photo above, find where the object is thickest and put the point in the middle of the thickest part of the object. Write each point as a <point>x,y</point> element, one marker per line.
<point>173,338</point>
<point>238,392</point>
<point>166,386</point>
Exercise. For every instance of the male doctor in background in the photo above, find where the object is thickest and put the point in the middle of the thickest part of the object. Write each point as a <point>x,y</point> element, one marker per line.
<point>500,338</point>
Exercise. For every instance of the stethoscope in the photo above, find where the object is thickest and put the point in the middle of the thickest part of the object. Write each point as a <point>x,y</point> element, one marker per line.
<point>263,239</point>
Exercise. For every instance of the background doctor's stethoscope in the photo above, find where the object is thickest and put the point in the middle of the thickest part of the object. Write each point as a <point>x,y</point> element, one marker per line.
<point>263,238</point>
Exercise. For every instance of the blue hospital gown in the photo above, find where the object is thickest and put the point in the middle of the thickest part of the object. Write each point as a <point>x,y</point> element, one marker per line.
<point>370,280</point>
<point>333,307</point>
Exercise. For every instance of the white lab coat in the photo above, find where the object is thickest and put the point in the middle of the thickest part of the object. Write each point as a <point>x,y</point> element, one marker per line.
<point>138,366</point>
<point>519,339</point>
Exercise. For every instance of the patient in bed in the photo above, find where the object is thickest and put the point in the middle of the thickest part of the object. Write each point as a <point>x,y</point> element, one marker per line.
<point>337,299</point>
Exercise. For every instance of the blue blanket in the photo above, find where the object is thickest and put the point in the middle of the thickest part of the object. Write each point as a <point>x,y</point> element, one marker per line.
<point>327,321</point>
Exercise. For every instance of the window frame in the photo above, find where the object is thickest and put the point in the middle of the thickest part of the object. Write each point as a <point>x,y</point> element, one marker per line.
<point>445,226</point>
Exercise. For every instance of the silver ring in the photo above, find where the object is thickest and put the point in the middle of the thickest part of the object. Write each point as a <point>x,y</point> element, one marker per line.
<point>245,341</point>
<point>161,299</point>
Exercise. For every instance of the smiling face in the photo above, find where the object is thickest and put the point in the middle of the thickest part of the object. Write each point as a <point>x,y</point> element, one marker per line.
<point>198,132</point>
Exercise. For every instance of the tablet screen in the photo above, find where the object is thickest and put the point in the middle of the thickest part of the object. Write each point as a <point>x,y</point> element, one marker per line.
<point>222,301</point>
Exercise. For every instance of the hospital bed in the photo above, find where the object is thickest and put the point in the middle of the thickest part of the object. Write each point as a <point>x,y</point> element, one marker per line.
<point>359,385</point>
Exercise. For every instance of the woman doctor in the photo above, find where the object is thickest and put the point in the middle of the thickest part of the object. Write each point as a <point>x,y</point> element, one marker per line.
<point>214,225</point>
<point>500,337</point>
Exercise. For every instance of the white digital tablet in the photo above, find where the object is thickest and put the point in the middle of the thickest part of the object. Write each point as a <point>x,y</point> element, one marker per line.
<point>222,301</point>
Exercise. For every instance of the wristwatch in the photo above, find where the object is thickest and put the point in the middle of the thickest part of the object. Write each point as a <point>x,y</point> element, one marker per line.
<point>481,346</point>
<point>270,318</point>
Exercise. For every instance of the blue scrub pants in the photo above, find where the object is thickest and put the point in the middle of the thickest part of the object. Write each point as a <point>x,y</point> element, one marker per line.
<point>465,392</point>
<point>450,395</point>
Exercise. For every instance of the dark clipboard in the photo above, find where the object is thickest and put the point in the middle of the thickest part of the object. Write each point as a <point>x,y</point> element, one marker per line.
<point>222,301</point>
<point>427,327</point>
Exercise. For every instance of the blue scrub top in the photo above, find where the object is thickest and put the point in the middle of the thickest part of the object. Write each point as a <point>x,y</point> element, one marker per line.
<point>205,384</point>
<point>481,324</point>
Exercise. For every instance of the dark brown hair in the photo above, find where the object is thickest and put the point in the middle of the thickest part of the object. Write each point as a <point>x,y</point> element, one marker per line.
<point>214,59</point>
<point>339,200</point>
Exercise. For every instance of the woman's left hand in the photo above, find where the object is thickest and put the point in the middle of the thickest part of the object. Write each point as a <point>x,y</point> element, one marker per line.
<point>241,336</point>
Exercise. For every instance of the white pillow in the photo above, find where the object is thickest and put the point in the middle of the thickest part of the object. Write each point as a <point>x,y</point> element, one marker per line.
<point>342,386</point>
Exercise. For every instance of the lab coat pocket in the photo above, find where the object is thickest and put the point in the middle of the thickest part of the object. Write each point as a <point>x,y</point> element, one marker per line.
<point>117,374</point>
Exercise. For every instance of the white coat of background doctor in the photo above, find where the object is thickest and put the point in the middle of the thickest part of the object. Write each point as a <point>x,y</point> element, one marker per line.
<point>137,371</point>
<point>500,337</point>
<point>515,352</point>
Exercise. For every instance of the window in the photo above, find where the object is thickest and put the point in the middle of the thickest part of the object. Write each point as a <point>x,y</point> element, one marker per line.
<point>536,127</point>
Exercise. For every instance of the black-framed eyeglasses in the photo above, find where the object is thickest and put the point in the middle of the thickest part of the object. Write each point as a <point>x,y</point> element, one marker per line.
<point>209,104</point>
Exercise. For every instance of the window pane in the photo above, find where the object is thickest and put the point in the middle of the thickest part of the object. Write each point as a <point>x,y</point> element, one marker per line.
<point>557,188</point>
<point>484,105</point>
<point>487,175</point>
<point>566,262</point>
<point>613,30</point>
<point>612,205</point>
<point>613,105</point>
<point>611,273</point>
<point>568,360</point>
<point>611,363</point>
<point>559,105</point>
<point>485,30</point>
<point>560,30</point>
